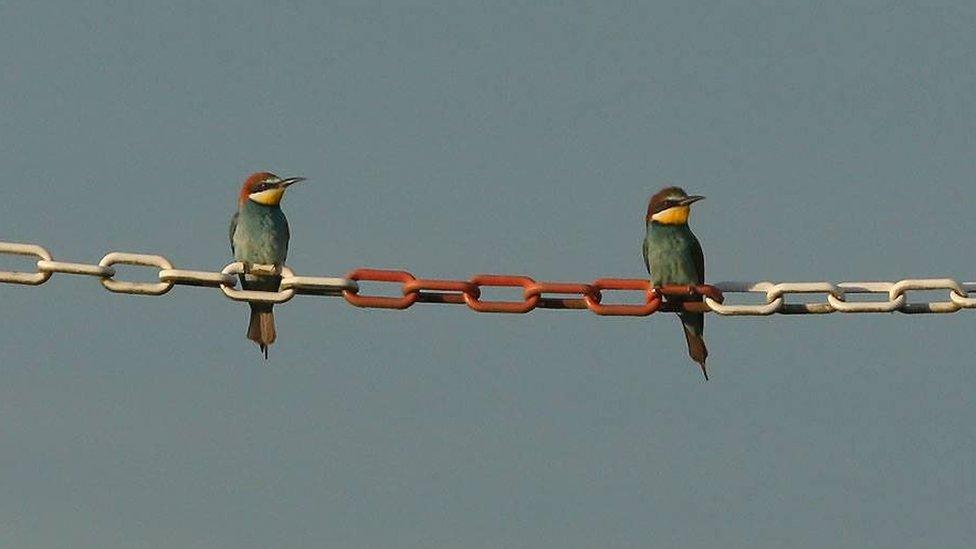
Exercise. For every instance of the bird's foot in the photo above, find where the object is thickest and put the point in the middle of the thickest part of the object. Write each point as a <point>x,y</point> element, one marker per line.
<point>265,269</point>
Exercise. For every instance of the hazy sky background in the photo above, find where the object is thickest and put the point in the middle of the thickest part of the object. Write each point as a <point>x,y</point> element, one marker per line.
<point>833,143</point>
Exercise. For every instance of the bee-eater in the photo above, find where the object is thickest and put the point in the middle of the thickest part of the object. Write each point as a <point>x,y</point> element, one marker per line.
<point>259,235</point>
<point>673,255</point>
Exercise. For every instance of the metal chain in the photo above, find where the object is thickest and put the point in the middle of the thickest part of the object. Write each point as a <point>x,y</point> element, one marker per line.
<point>535,295</point>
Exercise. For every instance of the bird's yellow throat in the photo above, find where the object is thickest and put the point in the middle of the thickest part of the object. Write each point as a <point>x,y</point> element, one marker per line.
<point>270,197</point>
<point>676,215</point>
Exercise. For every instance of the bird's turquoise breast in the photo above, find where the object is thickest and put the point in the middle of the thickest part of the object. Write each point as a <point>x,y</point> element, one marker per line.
<point>670,251</point>
<point>261,235</point>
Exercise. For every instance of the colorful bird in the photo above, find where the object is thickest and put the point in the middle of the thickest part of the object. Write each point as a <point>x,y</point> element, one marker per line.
<point>673,255</point>
<point>259,235</point>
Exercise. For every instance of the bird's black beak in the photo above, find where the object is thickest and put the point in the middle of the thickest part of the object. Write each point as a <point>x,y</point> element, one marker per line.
<point>285,183</point>
<point>691,200</point>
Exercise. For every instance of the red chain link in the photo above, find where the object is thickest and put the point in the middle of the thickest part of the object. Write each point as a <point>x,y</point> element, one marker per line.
<point>534,294</point>
<point>444,291</point>
<point>502,281</point>
<point>375,301</point>
<point>540,288</point>
<point>652,301</point>
<point>684,292</point>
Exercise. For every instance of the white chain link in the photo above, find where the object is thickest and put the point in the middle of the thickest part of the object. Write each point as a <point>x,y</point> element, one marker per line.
<point>33,279</point>
<point>280,296</point>
<point>141,288</point>
<point>895,294</point>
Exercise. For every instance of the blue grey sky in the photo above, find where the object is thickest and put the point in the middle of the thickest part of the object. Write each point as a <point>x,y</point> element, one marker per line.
<point>833,143</point>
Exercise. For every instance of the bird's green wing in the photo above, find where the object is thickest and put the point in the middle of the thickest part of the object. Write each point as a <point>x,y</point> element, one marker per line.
<point>699,258</point>
<point>287,234</point>
<point>233,227</point>
<point>647,264</point>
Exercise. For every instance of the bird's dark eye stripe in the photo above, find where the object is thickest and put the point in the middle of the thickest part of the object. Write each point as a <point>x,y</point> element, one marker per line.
<point>667,203</point>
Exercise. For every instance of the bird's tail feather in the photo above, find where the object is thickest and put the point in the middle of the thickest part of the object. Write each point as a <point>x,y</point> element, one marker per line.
<point>694,328</point>
<point>261,328</point>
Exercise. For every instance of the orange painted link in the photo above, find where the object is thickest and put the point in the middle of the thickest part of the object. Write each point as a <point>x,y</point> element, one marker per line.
<point>502,281</point>
<point>540,288</point>
<point>652,301</point>
<point>681,291</point>
<point>458,289</point>
<point>380,302</point>
<point>710,291</point>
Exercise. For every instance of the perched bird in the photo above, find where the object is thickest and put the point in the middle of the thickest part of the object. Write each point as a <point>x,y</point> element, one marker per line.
<point>673,255</point>
<point>259,235</point>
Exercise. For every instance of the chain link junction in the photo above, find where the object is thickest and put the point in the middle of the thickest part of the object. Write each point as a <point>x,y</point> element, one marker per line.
<point>535,295</point>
